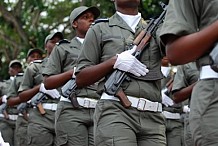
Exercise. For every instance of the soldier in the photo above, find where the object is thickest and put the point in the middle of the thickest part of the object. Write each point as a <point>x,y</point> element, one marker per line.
<point>171,111</point>
<point>74,127</point>
<point>190,33</point>
<point>113,123</point>
<point>41,125</point>
<point>9,115</point>
<point>13,100</point>
<point>185,79</point>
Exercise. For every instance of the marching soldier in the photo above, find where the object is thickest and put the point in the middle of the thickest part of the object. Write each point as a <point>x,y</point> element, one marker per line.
<point>106,48</point>
<point>190,33</point>
<point>74,126</point>
<point>41,118</point>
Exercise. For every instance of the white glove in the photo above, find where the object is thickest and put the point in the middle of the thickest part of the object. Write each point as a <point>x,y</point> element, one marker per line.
<point>128,63</point>
<point>167,101</point>
<point>186,109</point>
<point>53,93</point>
<point>4,98</point>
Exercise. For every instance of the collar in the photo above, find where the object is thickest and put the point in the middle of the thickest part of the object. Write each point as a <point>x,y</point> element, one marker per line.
<point>131,20</point>
<point>80,39</point>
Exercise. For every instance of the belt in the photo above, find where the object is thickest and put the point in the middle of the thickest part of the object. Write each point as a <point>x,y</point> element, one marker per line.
<point>11,117</point>
<point>84,102</point>
<point>50,106</point>
<point>207,73</point>
<point>139,103</point>
<point>22,115</point>
<point>170,115</point>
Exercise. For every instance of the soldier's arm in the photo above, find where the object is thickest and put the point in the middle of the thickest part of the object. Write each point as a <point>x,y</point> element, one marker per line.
<point>183,94</point>
<point>55,81</point>
<point>181,50</point>
<point>12,101</point>
<point>28,94</point>
<point>92,74</point>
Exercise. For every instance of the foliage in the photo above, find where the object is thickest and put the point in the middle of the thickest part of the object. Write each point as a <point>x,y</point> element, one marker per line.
<point>24,24</point>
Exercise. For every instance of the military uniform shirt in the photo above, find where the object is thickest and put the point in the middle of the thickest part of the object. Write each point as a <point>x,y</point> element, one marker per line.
<point>32,76</point>
<point>63,58</point>
<point>105,39</point>
<point>183,16</point>
<point>15,84</point>
<point>186,75</point>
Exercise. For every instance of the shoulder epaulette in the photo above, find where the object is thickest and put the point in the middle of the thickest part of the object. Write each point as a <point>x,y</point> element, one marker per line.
<point>100,20</point>
<point>20,74</point>
<point>36,61</point>
<point>63,41</point>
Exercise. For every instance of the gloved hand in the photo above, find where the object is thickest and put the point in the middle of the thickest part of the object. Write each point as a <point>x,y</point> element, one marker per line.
<point>4,98</point>
<point>166,100</point>
<point>128,63</point>
<point>53,93</point>
<point>186,109</point>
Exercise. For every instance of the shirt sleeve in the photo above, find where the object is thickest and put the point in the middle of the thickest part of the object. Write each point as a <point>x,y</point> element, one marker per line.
<point>181,19</point>
<point>179,79</point>
<point>28,80</point>
<point>90,54</point>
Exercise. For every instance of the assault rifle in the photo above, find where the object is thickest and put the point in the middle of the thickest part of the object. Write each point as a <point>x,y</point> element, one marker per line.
<point>37,101</point>
<point>3,110</point>
<point>112,85</point>
<point>22,108</point>
<point>69,91</point>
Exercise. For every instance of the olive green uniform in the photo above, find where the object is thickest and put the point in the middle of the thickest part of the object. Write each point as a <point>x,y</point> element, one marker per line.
<point>40,130</point>
<point>186,17</point>
<point>174,122</point>
<point>21,123</point>
<point>74,127</point>
<point>186,75</point>
<point>7,126</point>
<point>113,123</point>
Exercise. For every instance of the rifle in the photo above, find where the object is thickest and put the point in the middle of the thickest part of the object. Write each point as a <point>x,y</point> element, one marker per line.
<point>69,91</point>
<point>113,83</point>
<point>37,101</point>
<point>22,108</point>
<point>3,110</point>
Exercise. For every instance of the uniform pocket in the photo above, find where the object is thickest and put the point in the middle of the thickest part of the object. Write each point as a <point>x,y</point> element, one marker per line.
<point>62,140</point>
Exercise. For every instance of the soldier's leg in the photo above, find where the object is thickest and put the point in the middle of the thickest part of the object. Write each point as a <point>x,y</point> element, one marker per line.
<point>203,115</point>
<point>116,125</point>
<point>38,130</point>
<point>7,131</point>
<point>21,131</point>
<point>71,125</point>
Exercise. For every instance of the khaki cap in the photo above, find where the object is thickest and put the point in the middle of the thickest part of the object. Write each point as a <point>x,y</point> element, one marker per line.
<point>50,36</point>
<point>34,50</point>
<point>78,11</point>
<point>14,62</point>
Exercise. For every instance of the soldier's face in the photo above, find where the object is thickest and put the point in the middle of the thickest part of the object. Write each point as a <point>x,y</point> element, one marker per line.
<point>51,43</point>
<point>34,56</point>
<point>83,23</point>
<point>127,3</point>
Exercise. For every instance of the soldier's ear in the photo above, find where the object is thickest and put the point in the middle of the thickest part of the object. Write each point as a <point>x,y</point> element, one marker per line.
<point>75,24</point>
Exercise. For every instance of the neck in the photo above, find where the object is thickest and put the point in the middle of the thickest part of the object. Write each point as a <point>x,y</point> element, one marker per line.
<point>129,11</point>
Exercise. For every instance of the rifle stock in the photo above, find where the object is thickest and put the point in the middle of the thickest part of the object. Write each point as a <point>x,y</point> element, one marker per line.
<point>113,83</point>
